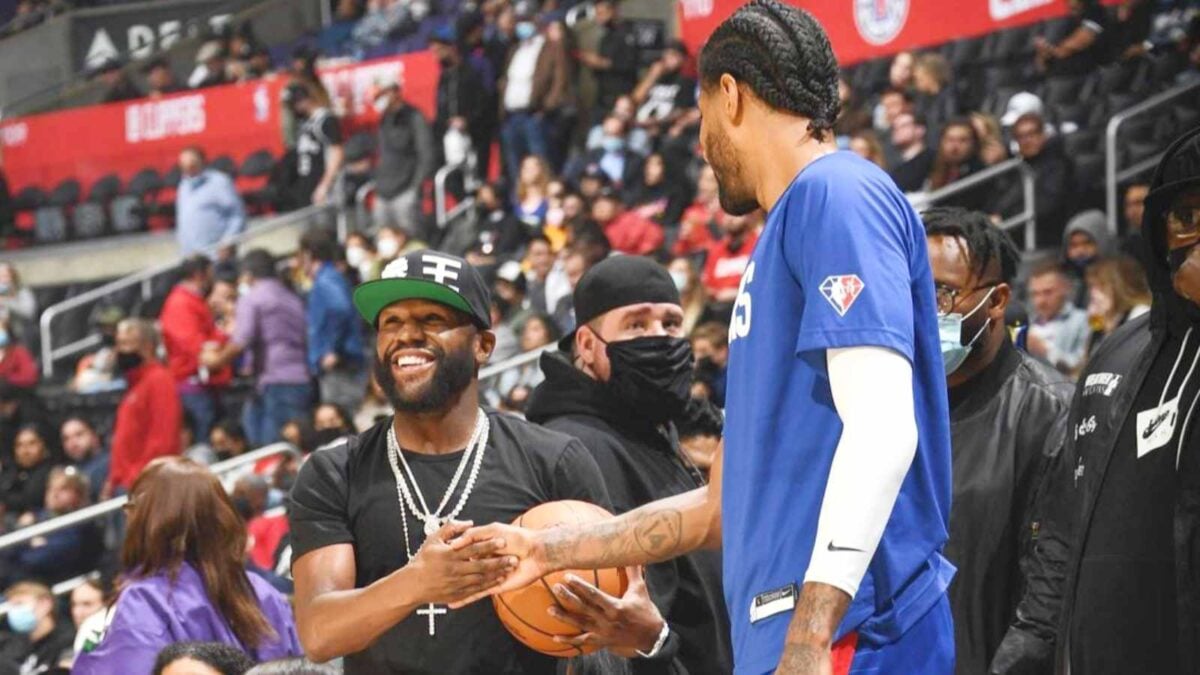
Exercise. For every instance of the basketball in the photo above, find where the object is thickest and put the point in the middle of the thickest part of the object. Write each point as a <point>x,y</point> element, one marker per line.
<point>523,611</point>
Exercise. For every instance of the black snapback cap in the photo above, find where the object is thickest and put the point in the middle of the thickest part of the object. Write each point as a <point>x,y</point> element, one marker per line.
<point>619,281</point>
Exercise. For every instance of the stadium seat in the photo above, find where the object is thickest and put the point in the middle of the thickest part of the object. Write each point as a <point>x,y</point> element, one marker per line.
<point>50,225</point>
<point>1009,46</point>
<point>1186,116</point>
<point>144,183</point>
<point>997,100</point>
<point>88,220</point>
<point>25,203</point>
<point>1136,151</point>
<point>1082,143</point>
<point>65,193</point>
<point>1062,89</point>
<point>1113,78</point>
<point>105,188</point>
<point>252,180</point>
<point>963,52</point>
<point>1141,128</point>
<point>1078,113</point>
<point>224,164</point>
<point>1089,171</point>
<point>1115,103</point>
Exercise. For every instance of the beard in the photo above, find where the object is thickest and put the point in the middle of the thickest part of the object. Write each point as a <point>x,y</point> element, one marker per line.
<point>736,198</point>
<point>454,371</point>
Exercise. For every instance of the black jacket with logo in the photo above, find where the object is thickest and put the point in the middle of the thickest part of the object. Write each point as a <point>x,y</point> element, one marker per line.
<point>642,462</point>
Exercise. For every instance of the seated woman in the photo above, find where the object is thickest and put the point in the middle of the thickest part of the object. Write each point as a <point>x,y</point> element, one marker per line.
<point>23,481</point>
<point>184,577</point>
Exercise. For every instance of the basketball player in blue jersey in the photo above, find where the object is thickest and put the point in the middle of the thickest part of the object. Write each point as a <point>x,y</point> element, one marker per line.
<point>832,497</point>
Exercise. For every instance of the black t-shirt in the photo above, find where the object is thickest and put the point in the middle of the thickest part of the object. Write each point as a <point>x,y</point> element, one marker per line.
<point>672,92</point>
<point>41,656</point>
<point>320,131</point>
<point>1124,620</point>
<point>346,493</point>
<point>1093,18</point>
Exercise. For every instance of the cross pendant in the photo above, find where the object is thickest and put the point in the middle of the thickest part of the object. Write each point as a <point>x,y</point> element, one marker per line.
<point>432,611</point>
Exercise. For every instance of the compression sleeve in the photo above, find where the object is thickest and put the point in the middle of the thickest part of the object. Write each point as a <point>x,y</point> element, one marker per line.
<point>873,394</point>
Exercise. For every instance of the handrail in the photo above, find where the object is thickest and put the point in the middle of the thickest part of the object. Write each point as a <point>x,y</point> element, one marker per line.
<point>439,190</point>
<point>96,511</point>
<point>1027,216</point>
<point>1111,177</point>
<point>50,354</point>
<point>515,362</point>
<point>964,184</point>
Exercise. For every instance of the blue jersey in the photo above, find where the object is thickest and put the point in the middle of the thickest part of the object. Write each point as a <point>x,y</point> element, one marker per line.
<point>841,263</point>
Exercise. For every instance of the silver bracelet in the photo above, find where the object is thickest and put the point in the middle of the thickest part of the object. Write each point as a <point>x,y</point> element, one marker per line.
<point>658,644</point>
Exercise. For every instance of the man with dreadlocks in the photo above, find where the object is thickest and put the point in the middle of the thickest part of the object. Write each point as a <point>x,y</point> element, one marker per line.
<point>1008,417</point>
<point>832,508</point>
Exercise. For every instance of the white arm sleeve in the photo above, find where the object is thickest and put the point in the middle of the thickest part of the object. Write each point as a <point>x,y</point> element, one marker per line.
<point>873,395</point>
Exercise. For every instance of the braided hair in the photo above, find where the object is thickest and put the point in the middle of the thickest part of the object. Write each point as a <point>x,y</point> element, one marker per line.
<point>783,55</point>
<point>988,245</point>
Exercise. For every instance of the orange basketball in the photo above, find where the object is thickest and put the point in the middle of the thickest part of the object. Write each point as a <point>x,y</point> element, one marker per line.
<point>523,611</point>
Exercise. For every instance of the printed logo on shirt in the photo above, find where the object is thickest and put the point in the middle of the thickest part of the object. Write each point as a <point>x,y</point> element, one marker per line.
<point>841,291</point>
<point>1101,383</point>
<point>1085,427</point>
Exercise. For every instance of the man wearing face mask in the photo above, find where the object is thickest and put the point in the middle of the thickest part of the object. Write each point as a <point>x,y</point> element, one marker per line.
<point>38,638</point>
<point>1085,240</point>
<point>1114,583</point>
<point>1007,416</point>
<point>406,158</point>
<point>619,384</point>
<point>148,418</point>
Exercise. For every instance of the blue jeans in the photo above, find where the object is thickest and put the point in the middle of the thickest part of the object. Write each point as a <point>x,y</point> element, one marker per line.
<point>202,407</point>
<point>522,134</point>
<point>266,412</point>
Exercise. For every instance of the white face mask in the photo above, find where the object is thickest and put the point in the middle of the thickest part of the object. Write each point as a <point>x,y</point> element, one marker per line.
<point>954,352</point>
<point>680,279</point>
<point>355,255</point>
<point>381,104</point>
<point>388,248</point>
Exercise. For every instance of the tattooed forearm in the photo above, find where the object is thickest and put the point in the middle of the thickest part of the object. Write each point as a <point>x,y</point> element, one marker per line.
<point>647,535</point>
<point>818,613</point>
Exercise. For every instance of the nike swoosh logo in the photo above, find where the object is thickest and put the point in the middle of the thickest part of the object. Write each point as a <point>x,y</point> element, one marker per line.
<point>1154,424</point>
<point>844,548</point>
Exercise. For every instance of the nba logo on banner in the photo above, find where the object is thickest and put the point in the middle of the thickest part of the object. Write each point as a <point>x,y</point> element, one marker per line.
<point>841,291</point>
<point>880,21</point>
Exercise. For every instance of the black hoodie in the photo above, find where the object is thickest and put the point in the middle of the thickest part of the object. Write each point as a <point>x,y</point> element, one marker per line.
<point>1114,579</point>
<point>642,462</point>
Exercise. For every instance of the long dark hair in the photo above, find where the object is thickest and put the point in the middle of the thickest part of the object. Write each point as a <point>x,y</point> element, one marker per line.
<point>180,513</point>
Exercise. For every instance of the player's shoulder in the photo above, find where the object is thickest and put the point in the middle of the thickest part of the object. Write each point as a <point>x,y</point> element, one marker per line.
<point>842,175</point>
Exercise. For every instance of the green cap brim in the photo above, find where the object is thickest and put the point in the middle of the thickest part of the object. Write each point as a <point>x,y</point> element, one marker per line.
<point>370,298</point>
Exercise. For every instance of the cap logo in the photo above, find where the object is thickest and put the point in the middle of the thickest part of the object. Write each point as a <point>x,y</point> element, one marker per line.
<point>841,291</point>
<point>397,269</point>
<point>443,270</point>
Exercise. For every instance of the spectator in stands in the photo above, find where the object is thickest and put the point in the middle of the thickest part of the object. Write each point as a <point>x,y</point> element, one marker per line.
<point>1133,207</point>
<point>991,140</point>
<point>728,257</point>
<point>23,481</point>
<point>614,64</point>
<point>64,553</point>
<point>208,209</point>
<point>37,637</point>
<point>536,331</point>
<point>539,260</point>
<point>935,95</point>
<point>319,151</point>
<point>636,138</point>
<point>1020,104</point>
<point>866,144</point>
<point>627,231</point>
<point>1082,50</point>
<point>97,371</point>
<point>1052,177</point>
<point>327,416</point>
<point>1085,240</point>
<point>1058,331</point>
<point>17,366</point>
<point>530,84</point>
<point>335,344</point>
<point>531,198</point>
<point>915,158</point>
<point>270,323</point>
<point>7,224</point>
<point>508,292</point>
<point>957,158</point>
<point>692,297</point>
<point>852,116</point>
<point>85,453</point>
<point>222,299</point>
<point>149,416</point>
<point>188,329</point>
<point>19,408</point>
<point>406,158</point>
<point>710,345</point>
<point>228,439</point>
<point>187,543</point>
<point>160,80</point>
<point>463,100</point>
<point>210,68</point>
<point>582,255</point>
<point>18,306</point>
<point>701,219</point>
<point>202,658</point>
<point>621,165</point>
<point>117,87</point>
<point>665,93</point>
<point>1117,292</point>
<point>251,497</point>
<point>362,256</point>
<point>375,408</point>
<point>87,599</point>
<point>385,19</point>
<point>657,194</point>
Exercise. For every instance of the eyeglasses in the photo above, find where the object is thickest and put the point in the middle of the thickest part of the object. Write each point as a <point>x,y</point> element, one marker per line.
<point>1183,225</point>
<point>947,297</point>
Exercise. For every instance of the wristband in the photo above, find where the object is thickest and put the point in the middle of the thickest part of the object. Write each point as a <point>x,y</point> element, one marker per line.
<point>658,644</point>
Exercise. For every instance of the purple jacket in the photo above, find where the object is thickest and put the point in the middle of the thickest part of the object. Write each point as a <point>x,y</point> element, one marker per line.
<point>153,613</point>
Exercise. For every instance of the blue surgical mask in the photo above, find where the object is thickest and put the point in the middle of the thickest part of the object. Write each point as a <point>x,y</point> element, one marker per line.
<point>954,352</point>
<point>3,338</point>
<point>21,619</point>
<point>525,30</point>
<point>612,144</point>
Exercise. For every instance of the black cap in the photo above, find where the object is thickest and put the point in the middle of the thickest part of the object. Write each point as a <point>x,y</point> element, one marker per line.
<point>428,275</point>
<point>619,281</point>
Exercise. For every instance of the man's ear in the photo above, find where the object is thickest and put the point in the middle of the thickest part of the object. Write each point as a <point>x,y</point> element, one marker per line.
<point>732,97</point>
<point>999,302</point>
<point>485,343</point>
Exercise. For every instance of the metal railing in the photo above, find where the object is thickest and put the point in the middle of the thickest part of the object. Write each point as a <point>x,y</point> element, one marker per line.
<point>443,215</point>
<point>145,278</point>
<point>96,511</point>
<point>1113,175</point>
<point>517,361</point>
<point>1026,217</point>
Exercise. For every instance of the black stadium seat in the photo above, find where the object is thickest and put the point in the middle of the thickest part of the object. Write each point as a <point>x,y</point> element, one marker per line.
<point>258,164</point>
<point>144,183</point>
<point>1089,171</point>
<point>1082,143</point>
<point>105,188</point>
<point>65,193</point>
<point>88,220</point>
<point>1062,89</point>
<point>170,179</point>
<point>224,164</point>
<point>1077,113</point>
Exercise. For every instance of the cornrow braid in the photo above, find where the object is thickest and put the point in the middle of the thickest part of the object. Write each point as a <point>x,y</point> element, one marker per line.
<point>783,55</point>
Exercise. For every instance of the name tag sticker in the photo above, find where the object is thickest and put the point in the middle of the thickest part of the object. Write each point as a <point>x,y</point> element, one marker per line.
<point>773,602</point>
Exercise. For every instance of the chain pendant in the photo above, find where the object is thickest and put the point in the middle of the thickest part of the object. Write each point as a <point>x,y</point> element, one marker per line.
<point>432,524</point>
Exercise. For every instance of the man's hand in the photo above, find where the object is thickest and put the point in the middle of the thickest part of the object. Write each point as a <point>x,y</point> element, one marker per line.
<point>447,575</point>
<point>623,625</point>
<point>517,542</point>
<point>329,362</point>
<point>809,646</point>
<point>805,660</point>
<point>319,195</point>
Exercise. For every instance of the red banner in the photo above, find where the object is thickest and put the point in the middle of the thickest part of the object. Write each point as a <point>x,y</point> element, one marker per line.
<point>234,120</point>
<point>865,29</point>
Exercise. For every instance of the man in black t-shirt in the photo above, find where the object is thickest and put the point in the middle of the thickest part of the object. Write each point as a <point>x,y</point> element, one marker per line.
<point>1083,49</point>
<point>665,94</point>
<point>373,517</point>
<point>319,153</point>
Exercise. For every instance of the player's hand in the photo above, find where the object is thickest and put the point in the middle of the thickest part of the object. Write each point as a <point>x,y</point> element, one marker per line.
<point>520,542</point>
<point>805,659</point>
<point>622,625</point>
<point>447,575</point>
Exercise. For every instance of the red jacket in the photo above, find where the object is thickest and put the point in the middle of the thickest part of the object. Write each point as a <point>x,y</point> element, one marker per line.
<point>187,323</point>
<point>147,424</point>
<point>632,234</point>
<point>723,268</point>
<point>694,234</point>
<point>17,367</point>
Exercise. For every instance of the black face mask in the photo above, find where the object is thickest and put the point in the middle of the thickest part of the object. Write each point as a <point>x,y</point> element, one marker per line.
<point>1176,257</point>
<point>653,375</point>
<point>127,361</point>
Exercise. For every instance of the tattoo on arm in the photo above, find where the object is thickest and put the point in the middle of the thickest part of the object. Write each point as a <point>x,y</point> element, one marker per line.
<point>637,539</point>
